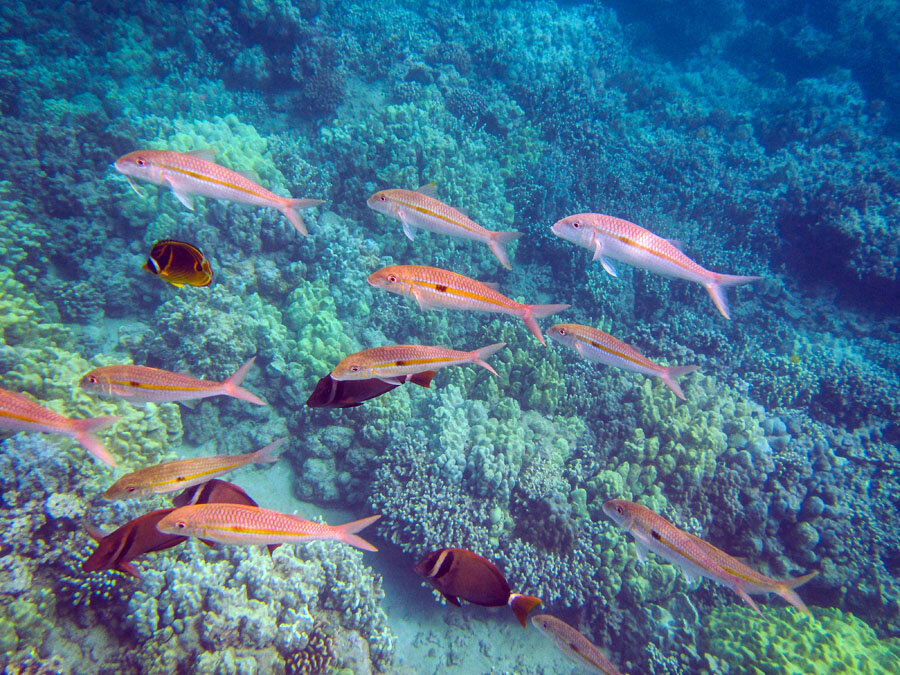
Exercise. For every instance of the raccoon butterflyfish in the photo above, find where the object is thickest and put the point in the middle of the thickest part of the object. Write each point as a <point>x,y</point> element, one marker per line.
<point>179,263</point>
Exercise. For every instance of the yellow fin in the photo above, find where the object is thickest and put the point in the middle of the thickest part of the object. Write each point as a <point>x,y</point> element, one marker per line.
<point>429,190</point>
<point>204,153</point>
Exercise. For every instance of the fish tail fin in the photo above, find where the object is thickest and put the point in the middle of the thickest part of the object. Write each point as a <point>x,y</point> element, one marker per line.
<point>716,289</point>
<point>498,243</point>
<point>786,590</point>
<point>232,386</point>
<point>81,432</point>
<point>292,212</point>
<point>670,374</point>
<point>347,533</point>
<point>521,605</point>
<point>479,356</point>
<point>270,453</point>
<point>533,312</point>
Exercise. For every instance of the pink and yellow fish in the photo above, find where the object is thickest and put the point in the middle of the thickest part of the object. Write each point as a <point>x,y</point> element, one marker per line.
<point>420,209</point>
<point>195,173</point>
<point>395,364</point>
<point>696,558</point>
<point>616,239</point>
<point>573,644</point>
<point>141,383</point>
<point>185,473</point>
<point>599,347</point>
<point>251,525</point>
<point>435,288</point>
<point>18,413</point>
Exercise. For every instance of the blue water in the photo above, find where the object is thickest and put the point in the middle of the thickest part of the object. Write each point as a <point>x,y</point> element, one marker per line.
<point>762,136</point>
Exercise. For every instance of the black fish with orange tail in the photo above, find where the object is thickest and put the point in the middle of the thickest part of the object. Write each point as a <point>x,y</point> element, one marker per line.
<point>459,573</point>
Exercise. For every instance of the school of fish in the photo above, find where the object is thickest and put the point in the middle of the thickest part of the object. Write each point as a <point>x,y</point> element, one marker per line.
<point>218,512</point>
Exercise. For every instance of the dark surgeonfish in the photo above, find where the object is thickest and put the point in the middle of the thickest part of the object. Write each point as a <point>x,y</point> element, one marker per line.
<point>459,573</point>
<point>116,550</point>
<point>331,393</point>
<point>179,263</point>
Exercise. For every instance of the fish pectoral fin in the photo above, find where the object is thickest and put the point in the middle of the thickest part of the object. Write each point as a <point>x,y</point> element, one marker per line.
<point>580,348</point>
<point>608,266</point>
<point>203,153</point>
<point>422,300</point>
<point>641,550</point>
<point>134,186</point>
<point>408,229</point>
<point>184,197</point>
<point>392,380</point>
<point>452,598</point>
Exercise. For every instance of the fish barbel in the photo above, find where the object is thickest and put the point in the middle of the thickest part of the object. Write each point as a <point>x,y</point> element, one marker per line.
<point>19,413</point>
<point>697,558</point>
<point>615,239</point>
<point>249,525</point>
<point>141,383</point>
<point>185,473</point>
<point>395,363</point>
<point>420,209</point>
<point>194,173</point>
<point>434,288</point>
<point>599,347</point>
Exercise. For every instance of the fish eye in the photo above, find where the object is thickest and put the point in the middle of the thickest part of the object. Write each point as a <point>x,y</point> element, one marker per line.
<point>576,224</point>
<point>140,161</point>
<point>92,379</point>
<point>132,489</point>
<point>180,525</point>
<point>392,278</point>
<point>619,509</point>
<point>354,369</point>
<point>562,331</point>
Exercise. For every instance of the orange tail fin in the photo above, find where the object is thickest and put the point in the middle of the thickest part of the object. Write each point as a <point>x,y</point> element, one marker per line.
<point>292,213</point>
<point>669,374</point>
<point>786,590</point>
<point>533,312</point>
<point>81,432</point>
<point>716,290</point>
<point>232,386</point>
<point>498,246</point>
<point>347,533</point>
<point>521,605</point>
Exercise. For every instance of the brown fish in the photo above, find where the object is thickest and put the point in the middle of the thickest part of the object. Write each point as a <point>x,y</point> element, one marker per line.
<point>331,393</point>
<point>179,263</point>
<point>459,573</point>
<point>116,550</point>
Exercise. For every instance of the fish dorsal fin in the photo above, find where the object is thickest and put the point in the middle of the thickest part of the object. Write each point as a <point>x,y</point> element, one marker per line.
<point>677,243</point>
<point>493,285</point>
<point>249,175</point>
<point>207,154</point>
<point>429,190</point>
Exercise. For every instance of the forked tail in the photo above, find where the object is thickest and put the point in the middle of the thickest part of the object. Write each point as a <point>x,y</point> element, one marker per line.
<point>270,452</point>
<point>498,243</point>
<point>533,312</point>
<point>786,590</point>
<point>81,432</point>
<point>291,211</point>
<point>479,355</point>
<point>716,290</point>
<point>347,533</point>
<point>670,374</point>
<point>232,387</point>
<point>521,605</point>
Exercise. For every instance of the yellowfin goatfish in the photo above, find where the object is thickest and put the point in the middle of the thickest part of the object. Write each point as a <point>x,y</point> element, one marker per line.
<point>435,288</point>
<point>194,173</point>
<point>695,557</point>
<point>141,383</point>
<point>573,644</point>
<point>18,413</point>
<point>185,473</point>
<point>249,525</point>
<point>421,209</point>
<point>595,345</point>
<point>396,363</point>
<point>179,263</point>
<point>616,239</point>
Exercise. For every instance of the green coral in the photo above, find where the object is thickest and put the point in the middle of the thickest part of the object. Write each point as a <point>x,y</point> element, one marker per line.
<point>786,641</point>
<point>25,621</point>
